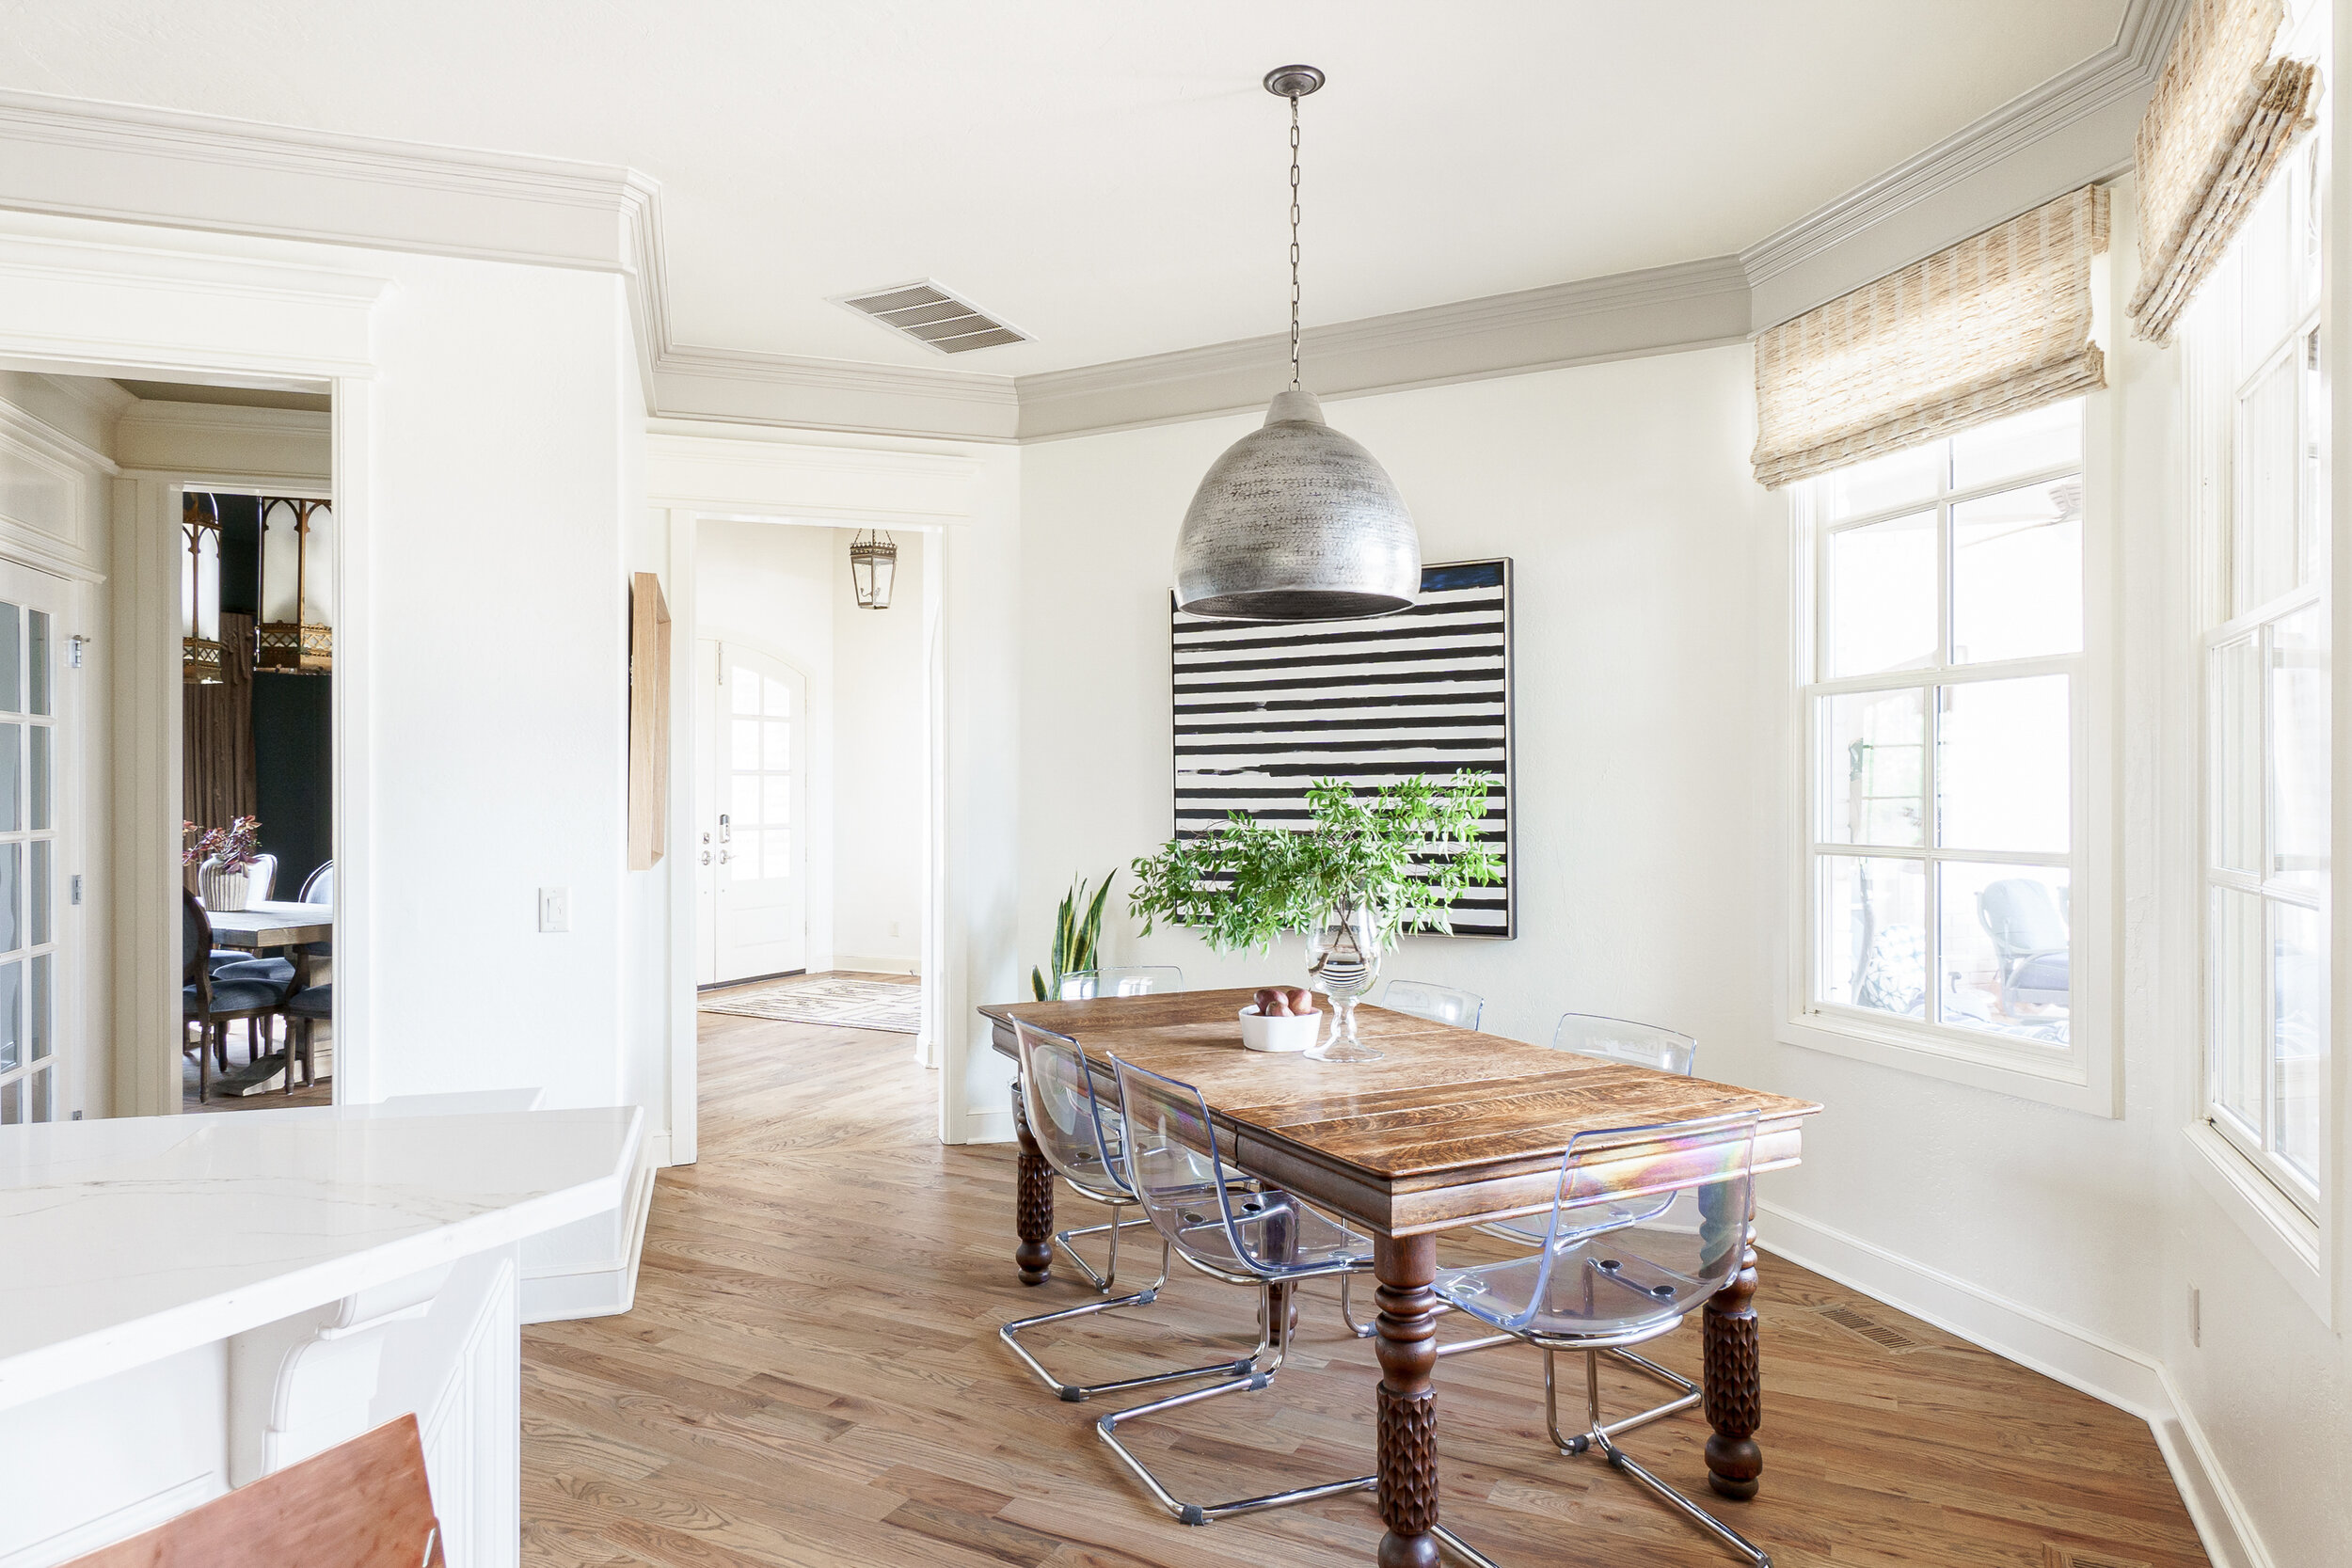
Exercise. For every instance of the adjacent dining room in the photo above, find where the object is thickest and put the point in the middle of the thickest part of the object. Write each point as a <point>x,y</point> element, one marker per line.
<point>1217,786</point>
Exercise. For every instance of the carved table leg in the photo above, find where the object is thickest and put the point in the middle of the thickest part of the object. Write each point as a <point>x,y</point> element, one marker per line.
<point>1033,1214</point>
<point>1407,1347</point>
<point>1735,1381</point>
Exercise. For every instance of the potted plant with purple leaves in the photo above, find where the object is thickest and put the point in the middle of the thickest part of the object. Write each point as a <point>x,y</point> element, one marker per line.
<point>223,858</point>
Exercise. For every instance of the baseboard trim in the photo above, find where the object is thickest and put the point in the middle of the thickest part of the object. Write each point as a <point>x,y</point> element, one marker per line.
<point>872,964</point>
<point>604,1289</point>
<point>2071,1355</point>
<point>988,1126</point>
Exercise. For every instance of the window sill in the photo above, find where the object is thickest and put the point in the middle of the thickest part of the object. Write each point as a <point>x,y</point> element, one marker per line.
<point>2281,1232</point>
<point>2060,1082</point>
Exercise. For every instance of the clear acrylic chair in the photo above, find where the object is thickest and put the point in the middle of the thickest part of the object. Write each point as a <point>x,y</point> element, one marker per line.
<point>1617,1039</point>
<point>1600,1282</point>
<point>1080,1138</point>
<point>1438,1004</point>
<point>1232,1228</point>
<point>1084,985</point>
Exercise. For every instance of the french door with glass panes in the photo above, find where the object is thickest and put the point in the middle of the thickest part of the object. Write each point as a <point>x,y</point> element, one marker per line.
<point>751,857</point>
<point>36,1050</point>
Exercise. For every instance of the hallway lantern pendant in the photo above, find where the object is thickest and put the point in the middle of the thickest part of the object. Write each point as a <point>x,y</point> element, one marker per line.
<point>1295,522</point>
<point>873,568</point>
<point>296,633</point>
<point>200,589</point>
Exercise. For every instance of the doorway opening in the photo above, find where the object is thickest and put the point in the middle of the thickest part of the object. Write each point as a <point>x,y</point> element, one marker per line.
<point>812,782</point>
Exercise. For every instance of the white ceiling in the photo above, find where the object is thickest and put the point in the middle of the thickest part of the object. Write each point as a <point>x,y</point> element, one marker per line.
<point>1106,175</point>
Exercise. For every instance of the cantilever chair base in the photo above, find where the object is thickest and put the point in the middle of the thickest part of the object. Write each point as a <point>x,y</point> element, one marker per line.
<point>1598,1439</point>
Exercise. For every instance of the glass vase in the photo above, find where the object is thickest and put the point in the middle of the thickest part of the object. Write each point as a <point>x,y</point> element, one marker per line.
<point>1343,961</point>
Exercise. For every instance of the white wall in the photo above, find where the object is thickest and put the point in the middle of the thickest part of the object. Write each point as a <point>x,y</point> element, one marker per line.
<point>770,585</point>
<point>879,723</point>
<point>1622,495</point>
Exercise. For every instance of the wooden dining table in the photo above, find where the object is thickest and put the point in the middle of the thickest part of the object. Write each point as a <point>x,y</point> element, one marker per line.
<point>1449,1128</point>
<point>268,924</point>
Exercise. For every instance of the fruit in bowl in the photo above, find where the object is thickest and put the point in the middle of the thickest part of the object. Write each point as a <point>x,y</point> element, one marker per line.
<point>1280,1018</point>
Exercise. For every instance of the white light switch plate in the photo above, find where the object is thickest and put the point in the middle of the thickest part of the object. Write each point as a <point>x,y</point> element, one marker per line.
<point>555,908</point>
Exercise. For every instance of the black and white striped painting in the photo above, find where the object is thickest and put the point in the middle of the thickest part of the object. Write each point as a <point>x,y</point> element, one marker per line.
<point>1264,708</point>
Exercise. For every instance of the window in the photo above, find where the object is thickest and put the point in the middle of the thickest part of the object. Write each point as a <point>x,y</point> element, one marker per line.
<point>1944,713</point>
<point>2258,444</point>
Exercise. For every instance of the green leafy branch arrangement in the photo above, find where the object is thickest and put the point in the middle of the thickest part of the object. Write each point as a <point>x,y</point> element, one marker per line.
<point>1357,851</point>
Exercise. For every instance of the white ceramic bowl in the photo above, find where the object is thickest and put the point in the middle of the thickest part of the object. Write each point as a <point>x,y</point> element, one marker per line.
<point>1295,1033</point>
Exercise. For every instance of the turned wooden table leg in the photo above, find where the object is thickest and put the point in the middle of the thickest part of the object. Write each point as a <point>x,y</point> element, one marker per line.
<point>1033,1212</point>
<point>1735,1381</point>
<point>1407,1348</point>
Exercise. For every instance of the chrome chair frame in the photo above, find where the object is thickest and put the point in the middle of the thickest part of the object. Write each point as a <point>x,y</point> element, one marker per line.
<point>1599,1435</point>
<point>1115,1198</point>
<point>1276,1325</point>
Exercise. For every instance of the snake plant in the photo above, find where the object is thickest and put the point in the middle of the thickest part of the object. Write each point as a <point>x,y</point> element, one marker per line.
<point>1077,936</point>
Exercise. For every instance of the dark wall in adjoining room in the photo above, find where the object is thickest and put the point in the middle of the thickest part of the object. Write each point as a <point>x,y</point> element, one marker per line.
<point>293,773</point>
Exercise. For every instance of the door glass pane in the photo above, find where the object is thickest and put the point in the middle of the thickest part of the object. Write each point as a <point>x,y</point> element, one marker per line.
<point>2298,984</point>
<point>37,659</point>
<point>1913,474</point>
<point>11,1014</point>
<point>743,750</point>
<point>779,698</point>
<point>743,804</point>
<point>775,850</point>
<point>11,927</point>
<point>1871,757</point>
<point>2235,677</point>
<point>1874,933</point>
<point>775,798</point>
<point>2265,550</point>
<point>12,1103</point>
<point>2234,991</point>
<point>743,856</point>
<point>11,656</point>
<point>2002,765</point>
<point>2005,952</point>
<point>2046,439</point>
<point>2299,742</point>
<point>11,766</point>
<point>37,1013</point>
<point>776,745</point>
<point>37,775</point>
<point>2017,574</point>
<point>742,690</point>
<point>37,893</point>
<point>38,1091</point>
<point>1882,596</point>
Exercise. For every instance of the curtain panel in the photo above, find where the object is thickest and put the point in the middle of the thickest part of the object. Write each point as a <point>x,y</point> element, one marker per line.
<point>1997,324</point>
<point>2222,116</point>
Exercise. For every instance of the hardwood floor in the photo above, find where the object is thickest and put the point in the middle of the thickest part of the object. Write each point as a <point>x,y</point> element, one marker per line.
<point>811,1376</point>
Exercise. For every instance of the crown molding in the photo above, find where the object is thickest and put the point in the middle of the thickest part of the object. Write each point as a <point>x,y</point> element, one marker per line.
<point>1621,316</point>
<point>135,164</point>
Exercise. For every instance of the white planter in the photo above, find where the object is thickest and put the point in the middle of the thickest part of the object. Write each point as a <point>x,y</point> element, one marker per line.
<point>224,890</point>
<point>1295,1033</point>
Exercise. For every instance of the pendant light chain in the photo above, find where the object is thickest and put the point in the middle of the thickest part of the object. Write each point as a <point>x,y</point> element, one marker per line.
<point>1294,98</point>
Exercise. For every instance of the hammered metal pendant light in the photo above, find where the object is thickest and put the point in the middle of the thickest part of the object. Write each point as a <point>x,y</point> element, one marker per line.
<point>1295,522</point>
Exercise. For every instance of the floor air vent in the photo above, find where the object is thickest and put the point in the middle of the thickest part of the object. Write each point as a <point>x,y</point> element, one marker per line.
<point>1893,1340</point>
<point>934,318</point>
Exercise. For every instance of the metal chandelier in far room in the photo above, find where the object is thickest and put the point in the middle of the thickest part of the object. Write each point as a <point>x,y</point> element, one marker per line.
<point>1296,522</point>
<point>873,568</point>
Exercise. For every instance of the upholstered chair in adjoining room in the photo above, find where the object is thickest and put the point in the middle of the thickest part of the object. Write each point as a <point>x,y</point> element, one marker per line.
<point>212,1004</point>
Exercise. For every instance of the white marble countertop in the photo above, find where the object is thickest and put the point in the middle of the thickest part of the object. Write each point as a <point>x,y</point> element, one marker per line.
<point>129,1239</point>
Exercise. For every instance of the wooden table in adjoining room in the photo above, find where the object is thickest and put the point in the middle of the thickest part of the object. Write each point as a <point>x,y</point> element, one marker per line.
<point>1451,1128</point>
<point>273,922</point>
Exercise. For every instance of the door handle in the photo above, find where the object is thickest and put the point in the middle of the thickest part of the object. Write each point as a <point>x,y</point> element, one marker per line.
<point>706,855</point>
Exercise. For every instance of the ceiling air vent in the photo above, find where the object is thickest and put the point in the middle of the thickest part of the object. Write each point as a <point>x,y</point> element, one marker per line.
<point>934,318</point>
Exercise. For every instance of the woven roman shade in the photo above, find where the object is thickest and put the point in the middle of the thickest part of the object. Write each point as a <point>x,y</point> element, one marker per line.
<point>1995,326</point>
<point>2222,116</point>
